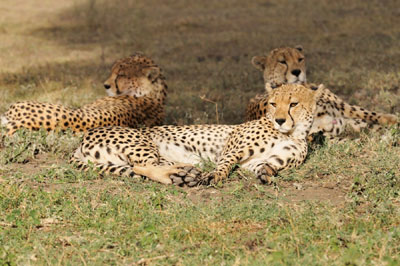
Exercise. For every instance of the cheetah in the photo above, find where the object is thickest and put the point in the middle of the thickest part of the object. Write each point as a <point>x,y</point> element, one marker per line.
<point>136,89</point>
<point>167,154</point>
<point>287,65</point>
<point>282,65</point>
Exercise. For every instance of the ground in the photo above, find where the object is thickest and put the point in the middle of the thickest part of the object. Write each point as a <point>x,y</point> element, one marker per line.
<point>341,207</point>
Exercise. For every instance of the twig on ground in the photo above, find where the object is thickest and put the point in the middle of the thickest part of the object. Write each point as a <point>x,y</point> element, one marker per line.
<point>203,97</point>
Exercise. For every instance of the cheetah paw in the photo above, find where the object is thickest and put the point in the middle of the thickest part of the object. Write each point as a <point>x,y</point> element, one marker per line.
<point>265,173</point>
<point>210,178</point>
<point>187,175</point>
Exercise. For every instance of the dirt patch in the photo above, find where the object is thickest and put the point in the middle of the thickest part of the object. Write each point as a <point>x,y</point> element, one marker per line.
<point>314,190</point>
<point>289,192</point>
<point>333,196</point>
<point>40,162</point>
<point>201,194</point>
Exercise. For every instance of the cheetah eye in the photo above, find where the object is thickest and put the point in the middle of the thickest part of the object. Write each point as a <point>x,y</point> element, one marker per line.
<point>282,62</point>
<point>301,59</point>
<point>273,104</point>
<point>293,104</point>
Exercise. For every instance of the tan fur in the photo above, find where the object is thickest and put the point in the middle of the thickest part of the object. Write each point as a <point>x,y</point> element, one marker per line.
<point>265,146</point>
<point>282,65</point>
<point>137,92</point>
<point>332,113</point>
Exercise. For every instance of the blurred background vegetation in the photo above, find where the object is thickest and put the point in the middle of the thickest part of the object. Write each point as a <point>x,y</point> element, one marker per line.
<point>62,51</point>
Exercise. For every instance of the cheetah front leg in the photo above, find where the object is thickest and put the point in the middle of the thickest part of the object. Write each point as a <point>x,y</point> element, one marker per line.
<point>229,158</point>
<point>169,174</point>
<point>264,169</point>
<point>176,174</point>
<point>284,155</point>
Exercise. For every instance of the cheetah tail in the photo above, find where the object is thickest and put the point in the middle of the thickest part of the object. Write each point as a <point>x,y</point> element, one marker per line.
<point>357,112</point>
<point>354,111</point>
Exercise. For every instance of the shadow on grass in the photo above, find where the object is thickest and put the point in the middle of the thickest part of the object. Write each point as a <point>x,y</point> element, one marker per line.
<point>205,48</point>
<point>331,32</point>
<point>67,73</point>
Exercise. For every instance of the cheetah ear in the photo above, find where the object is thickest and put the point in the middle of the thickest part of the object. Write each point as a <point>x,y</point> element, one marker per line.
<point>152,73</point>
<point>318,90</point>
<point>259,62</point>
<point>299,47</point>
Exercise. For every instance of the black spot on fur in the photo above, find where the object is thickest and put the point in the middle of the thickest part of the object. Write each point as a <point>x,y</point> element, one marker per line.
<point>251,152</point>
<point>280,161</point>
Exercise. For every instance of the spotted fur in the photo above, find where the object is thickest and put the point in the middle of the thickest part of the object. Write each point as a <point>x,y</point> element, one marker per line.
<point>282,65</point>
<point>136,90</point>
<point>274,142</point>
<point>332,113</point>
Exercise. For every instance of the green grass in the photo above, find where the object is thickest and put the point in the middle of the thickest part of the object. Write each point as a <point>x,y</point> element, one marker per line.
<point>52,217</point>
<point>341,207</point>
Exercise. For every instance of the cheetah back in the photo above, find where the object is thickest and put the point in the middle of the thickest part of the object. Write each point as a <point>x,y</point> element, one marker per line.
<point>139,91</point>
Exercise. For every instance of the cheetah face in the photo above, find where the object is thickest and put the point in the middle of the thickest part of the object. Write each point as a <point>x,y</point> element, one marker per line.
<point>135,76</point>
<point>291,107</point>
<point>281,66</point>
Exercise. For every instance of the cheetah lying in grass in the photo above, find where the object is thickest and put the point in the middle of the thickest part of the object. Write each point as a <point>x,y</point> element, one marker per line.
<point>167,153</point>
<point>287,65</point>
<point>136,90</point>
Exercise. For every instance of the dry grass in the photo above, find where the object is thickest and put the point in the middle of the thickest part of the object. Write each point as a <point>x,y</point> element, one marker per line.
<point>340,207</point>
<point>204,49</point>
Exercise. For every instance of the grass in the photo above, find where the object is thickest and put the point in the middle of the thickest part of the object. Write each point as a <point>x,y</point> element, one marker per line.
<point>340,207</point>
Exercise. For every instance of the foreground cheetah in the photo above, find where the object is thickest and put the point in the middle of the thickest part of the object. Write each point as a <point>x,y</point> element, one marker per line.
<point>287,65</point>
<point>274,142</point>
<point>136,90</point>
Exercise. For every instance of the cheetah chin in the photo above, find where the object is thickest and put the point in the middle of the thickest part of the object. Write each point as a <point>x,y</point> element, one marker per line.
<point>283,130</point>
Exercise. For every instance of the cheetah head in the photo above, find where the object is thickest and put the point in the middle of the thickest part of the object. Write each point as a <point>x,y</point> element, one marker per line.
<point>291,108</point>
<point>136,75</point>
<point>281,66</point>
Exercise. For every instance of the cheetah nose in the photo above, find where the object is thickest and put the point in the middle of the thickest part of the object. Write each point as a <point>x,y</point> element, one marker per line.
<point>107,86</point>
<point>296,72</point>
<point>280,121</point>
